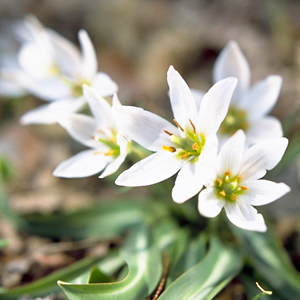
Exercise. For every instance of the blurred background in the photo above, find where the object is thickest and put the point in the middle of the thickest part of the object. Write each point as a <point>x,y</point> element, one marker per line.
<point>136,41</point>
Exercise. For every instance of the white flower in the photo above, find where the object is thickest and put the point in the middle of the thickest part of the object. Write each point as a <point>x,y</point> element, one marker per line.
<point>250,105</point>
<point>190,146</point>
<point>52,68</point>
<point>101,133</point>
<point>234,182</point>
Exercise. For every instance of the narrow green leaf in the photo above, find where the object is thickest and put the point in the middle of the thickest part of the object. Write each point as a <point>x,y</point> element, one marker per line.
<point>97,276</point>
<point>271,261</point>
<point>48,284</point>
<point>145,269</point>
<point>104,220</point>
<point>221,264</point>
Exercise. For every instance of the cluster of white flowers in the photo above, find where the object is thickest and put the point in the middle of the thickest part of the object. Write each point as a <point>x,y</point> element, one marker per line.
<point>221,143</point>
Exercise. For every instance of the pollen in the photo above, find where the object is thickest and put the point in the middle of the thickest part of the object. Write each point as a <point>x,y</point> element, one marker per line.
<point>195,146</point>
<point>227,173</point>
<point>222,193</point>
<point>177,124</point>
<point>219,181</point>
<point>244,188</point>
<point>169,148</point>
<point>110,152</point>
<point>185,155</point>
<point>233,197</point>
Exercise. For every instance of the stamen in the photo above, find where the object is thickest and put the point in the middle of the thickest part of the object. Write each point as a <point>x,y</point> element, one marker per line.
<point>185,155</point>
<point>98,152</point>
<point>239,177</point>
<point>99,130</point>
<point>195,146</point>
<point>178,125</point>
<point>222,193</point>
<point>92,137</point>
<point>227,173</point>
<point>167,132</point>
<point>169,148</point>
<point>244,188</point>
<point>219,181</point>
<point>233,197</point>
<point>194,128</point>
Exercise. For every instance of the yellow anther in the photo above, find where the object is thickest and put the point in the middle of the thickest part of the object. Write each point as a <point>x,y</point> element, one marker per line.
<point>219,181</point>
<point>195,146</point>
<point>169,148</point>
<point>239,177</point>
<point>233,198</point>
<point>177,124</point>
<point>194,128</point>
<point>227,173</point>
<point>167,132</point>
<point>222,193</point>
<point>185,155</point>
<point>113,140</point>
<point>99,130</point>
<point>244,188</point>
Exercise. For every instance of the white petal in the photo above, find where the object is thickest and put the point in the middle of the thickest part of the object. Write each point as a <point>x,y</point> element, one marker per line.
<point>144,127</point>
<point>231,154</point>
<point>214,105</point>
<point>262,129</point>
<point>104,85</point>
<point>41,115</point>
<point>262,156</point>
<point>83,164</point>
<point>89,59</point>
<point>182,100</point>
<point>263,192</point>
<point>116,101</point>
<point>67,55</point>
<point>80,127</point>
<point>261,98</point>
<point>209,205</point>
<point>68,105</point>
<point>114,165</point>
<point>11,89</point>
<point>189,182</point>
<point>232,62</point>
<point>36,60</point>
<point>100,108</point>
<point>245,216</point>
<point>198,96</point>
<point>152,169</point>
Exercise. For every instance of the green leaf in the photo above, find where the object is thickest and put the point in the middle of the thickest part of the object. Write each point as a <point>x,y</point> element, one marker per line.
<point>97,276</point>
<point>48,284</point>
<point>271,261</point>
<point>105,220</point>
<point>145,269</point>
<point>205,279</point>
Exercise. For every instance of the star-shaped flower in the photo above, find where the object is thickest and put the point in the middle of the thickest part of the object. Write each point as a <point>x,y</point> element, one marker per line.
<point>52,68</point>
<point>250,106</point>
<point>100,133</point>
<point>234,181</point>
<point>190,146</point>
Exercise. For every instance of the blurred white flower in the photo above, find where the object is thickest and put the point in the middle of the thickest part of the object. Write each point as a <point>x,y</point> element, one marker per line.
<point>100,133</point>
<point>51,68</point>
<point>250,105</point>
<point>234,183</point>
<point>190,146</point>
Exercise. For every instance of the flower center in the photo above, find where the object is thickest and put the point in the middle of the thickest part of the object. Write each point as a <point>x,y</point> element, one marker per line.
<point>235,119</point>
<point>229,187</point>
<point>188,147</point>
<point>111,143</point>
